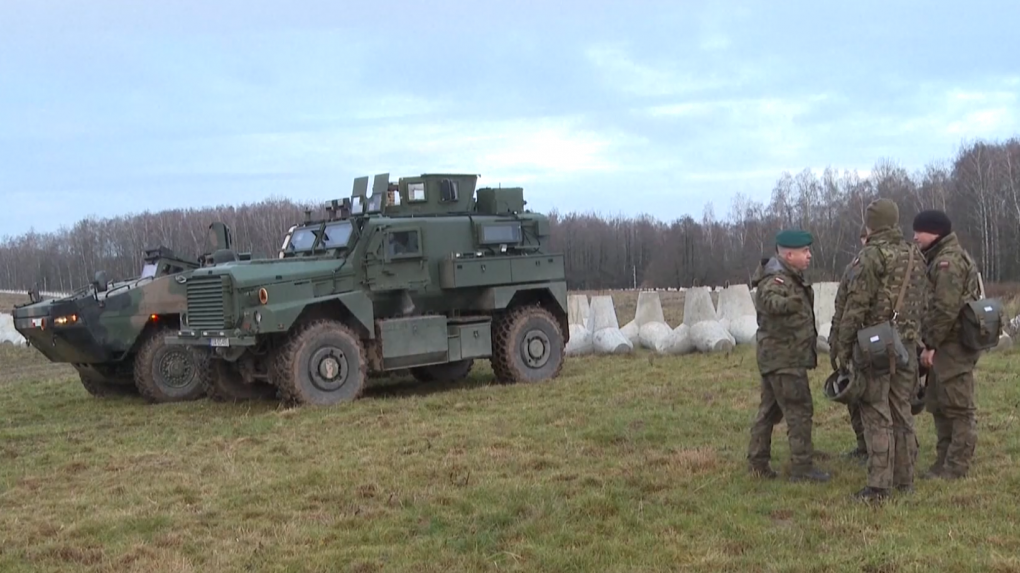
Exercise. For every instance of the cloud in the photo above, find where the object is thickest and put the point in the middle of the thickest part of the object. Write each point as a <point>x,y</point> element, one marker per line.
<point>117,108</point>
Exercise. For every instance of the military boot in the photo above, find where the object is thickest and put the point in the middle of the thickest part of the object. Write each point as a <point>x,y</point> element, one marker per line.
<point>935,471</point>
<point>764,472</point>
<point>871,494</point>
<point>813,474</point>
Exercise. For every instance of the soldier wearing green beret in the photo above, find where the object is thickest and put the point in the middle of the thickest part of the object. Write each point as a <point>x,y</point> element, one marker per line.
<point>786,350</point>
<point>887,282</point>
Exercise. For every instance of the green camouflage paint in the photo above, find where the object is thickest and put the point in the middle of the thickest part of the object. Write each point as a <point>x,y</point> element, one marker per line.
<point>419,275</point>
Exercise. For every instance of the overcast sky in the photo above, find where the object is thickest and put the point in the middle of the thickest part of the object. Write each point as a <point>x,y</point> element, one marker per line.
<point>113,107</point>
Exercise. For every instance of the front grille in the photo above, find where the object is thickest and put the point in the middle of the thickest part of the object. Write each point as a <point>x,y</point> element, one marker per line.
<point>208,297</point>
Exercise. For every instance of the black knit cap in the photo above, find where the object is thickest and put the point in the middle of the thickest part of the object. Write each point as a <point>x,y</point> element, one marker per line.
<point>933,221</point>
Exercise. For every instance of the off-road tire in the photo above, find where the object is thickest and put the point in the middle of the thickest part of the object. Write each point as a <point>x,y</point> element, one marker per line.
<point>151,366</point>
<point>448,372</point>
<point>225,384</point>
<point>299,362</point>
<point>102,386</point>
<point>508,338</point>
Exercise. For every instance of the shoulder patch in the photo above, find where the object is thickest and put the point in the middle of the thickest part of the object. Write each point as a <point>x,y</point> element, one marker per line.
<point>780,280</point>
<point>943,264</point>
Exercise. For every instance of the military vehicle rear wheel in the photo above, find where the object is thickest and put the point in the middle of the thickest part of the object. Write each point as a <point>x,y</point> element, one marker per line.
<point>170,373</point>
<point>527,345</point>
<point>101,384</point>
<point>322,364</point>
<point>225,384</point>
<point>449,372</point>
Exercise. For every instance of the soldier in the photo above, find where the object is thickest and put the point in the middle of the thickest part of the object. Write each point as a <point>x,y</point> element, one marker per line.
<point>950,392</point>
<point>861,452</point>
<point>786,350</point>
<point>873,297</point>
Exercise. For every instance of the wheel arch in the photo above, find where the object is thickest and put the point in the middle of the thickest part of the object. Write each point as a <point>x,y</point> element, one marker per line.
<point>347,309</point>
<point>545,298</point>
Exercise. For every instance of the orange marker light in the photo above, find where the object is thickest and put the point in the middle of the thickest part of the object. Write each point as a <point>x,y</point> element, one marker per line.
<point>153,316</point>
<point>263,296</point>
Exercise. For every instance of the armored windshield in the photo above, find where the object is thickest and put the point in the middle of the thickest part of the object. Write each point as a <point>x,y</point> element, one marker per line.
<point>149,270</point>
<point>332,236</point>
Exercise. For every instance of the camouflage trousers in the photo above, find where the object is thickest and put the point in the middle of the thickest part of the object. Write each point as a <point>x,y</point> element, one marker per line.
<point>783,395</point>
<point>950,398</point>
<point>889,426</point>
<point>857,424</point>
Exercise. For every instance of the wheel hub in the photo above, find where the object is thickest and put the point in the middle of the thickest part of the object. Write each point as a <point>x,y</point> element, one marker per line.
<point>328,368</point>
<point>176,369</point>
<point>535,350</point>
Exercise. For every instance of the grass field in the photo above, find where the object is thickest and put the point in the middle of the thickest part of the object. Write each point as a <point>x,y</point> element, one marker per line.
<point>621,464</point>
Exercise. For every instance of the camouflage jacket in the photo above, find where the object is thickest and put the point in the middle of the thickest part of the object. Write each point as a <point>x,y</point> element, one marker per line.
<point>837,314</point>
<point>954,282</point>
<point>873,285</point>
<point>785,302</point>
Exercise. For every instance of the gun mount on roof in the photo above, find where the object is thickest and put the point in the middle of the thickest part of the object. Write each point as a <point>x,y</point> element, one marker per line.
<point>433,194</point>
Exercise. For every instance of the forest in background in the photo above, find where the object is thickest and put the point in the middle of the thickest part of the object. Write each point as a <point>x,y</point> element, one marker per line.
<point>979,188</point>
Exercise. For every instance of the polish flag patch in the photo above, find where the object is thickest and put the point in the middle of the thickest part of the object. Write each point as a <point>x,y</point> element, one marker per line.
<point>944,264</point>
<point>779,280</point>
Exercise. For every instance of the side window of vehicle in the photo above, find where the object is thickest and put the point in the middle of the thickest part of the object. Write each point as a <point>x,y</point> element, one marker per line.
<point>403,243</point>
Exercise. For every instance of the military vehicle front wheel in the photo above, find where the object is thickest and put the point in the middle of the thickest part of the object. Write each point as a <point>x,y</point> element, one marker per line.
<point>170,373</point>
<point>322,364</point>
<point>102,384</point>
<point>448,372</point>
<point>527,345</point>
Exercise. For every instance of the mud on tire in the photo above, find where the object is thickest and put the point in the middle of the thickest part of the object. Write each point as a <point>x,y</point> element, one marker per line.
<point>225,384</point>
<point>448,372</point>
<point>527,345</point>
<point>321,364</point>
<point>170,373</point>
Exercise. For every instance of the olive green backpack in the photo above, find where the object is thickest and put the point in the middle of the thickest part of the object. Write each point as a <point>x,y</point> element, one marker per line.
<point>879,349</point>
<point>981,323</point>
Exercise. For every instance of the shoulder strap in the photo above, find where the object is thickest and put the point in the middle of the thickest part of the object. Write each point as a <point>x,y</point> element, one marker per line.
<point>906,280</point>
<point>973,268</point>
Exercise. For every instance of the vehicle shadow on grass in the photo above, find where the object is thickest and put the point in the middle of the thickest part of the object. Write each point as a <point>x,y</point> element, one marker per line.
<point>403,385</point>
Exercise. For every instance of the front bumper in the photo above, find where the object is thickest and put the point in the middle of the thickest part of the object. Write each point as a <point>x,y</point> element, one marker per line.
<point>212,338</point>
<point>64,344</point>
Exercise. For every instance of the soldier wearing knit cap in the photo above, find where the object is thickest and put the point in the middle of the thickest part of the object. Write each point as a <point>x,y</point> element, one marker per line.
<point>786,349</point>
<point>950,392</point>
<point>876,276</point>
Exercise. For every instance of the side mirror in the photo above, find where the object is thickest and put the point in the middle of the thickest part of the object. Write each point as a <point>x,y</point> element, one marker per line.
<point>100,281</point>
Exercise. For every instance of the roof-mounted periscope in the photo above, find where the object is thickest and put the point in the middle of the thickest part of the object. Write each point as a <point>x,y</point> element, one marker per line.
<point>432,194</point>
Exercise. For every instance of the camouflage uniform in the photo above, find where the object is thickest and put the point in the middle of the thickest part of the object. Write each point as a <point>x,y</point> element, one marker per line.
<point>950,392</point>
<point>853,408</point>
<point>875,279</point>
<point>786,350</point>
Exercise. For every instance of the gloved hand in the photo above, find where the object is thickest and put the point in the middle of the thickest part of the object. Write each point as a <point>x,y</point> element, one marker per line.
<point>833,357</point>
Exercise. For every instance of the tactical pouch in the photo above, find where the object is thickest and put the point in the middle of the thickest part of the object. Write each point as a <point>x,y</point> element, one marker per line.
<point>981,324</point>
<point>880,350</point>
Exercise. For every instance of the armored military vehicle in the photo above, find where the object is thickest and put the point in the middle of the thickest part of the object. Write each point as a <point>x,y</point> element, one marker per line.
<point>113,333</point>
<point>420,276</point>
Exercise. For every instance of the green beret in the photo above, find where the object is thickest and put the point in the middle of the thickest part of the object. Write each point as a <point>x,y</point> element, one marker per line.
<point>793,238</point>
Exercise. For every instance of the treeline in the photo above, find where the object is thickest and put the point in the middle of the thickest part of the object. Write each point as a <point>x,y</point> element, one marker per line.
<point>979,188</point>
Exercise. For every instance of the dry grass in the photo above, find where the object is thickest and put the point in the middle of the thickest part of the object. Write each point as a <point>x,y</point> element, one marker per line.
<point>7,301</point>
<point>622,464</point>
<point>625,303</point>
